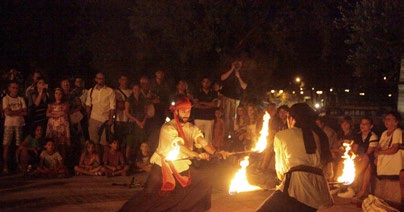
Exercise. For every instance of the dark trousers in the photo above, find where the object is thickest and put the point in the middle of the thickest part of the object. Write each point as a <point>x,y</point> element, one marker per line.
<point>281,201</point>
<point>195,197</point>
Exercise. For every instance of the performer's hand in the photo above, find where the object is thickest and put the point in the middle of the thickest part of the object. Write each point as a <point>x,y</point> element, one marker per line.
<point>223,154</point>
<point>204,156</point>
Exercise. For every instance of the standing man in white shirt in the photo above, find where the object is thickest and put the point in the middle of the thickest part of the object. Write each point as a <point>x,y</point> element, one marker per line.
<point>100,105</point>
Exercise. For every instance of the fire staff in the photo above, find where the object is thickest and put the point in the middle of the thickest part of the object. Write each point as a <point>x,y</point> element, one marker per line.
<point>301,153</point>
<point>175,185</point>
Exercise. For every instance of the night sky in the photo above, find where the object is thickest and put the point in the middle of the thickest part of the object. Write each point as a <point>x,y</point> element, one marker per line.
<point>278,39</point>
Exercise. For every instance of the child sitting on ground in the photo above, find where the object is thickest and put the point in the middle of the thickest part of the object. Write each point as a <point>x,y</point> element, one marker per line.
<point>143,158</point>
<point>51,162</point>
<point>89,161</point>
<point>28,151</point>
<point>114,162</point>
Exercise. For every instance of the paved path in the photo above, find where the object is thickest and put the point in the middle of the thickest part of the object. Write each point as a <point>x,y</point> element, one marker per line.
<point>87,193</point>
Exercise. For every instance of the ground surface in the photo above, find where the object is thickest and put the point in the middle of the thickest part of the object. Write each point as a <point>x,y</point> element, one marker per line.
<point>85,193</point>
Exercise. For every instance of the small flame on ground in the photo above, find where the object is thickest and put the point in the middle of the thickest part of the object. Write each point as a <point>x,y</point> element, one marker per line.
<point>348,173</point>
<point>240,182</point>
<point>173,154</point>
<point>262,140</point>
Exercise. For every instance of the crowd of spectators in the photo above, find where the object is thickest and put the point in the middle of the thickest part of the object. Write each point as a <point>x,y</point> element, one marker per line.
<point>81,126</point>
<point>69,129</point>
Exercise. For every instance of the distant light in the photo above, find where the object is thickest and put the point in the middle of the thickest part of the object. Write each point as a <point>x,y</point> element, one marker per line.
<point>346,90</point>
<point>301,92</point>
<point>319,92</point>
<point>390,95</point>
<point>297,79</point>
<point>331,90</point>
<point>280,91</point>
<point>272,91</point>
<point>384,78</point>
<point>301,89</point>
<point>168,119</point>
<point>293,92</point>
<point>362,94</point>
<point>312,89</point>
<point>317,105</point>
<point>173,103</point>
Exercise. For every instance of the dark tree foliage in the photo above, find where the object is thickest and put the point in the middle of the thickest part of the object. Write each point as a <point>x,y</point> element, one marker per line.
<point>280,38</point>
<point>375,36</point>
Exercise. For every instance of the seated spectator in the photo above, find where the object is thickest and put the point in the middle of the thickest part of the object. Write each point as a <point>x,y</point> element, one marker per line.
<point>252,128</point>
<point>51,162</point>
<point>332,136</point>
<point>389,143</point>
<point>143,158</point>
<point>29,150</point>
<point>114,162</point>
<point>363,148</point>
<point>279,121</point>
<point>334,147</point>
<point>240,127</point>
<point>345,135</point>
<point>89,161</point>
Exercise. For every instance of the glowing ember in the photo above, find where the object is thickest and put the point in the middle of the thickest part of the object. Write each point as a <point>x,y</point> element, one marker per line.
<point>348,174</point>
<point>240,182</point>
<point>262,140</point>
<point>173,154</point>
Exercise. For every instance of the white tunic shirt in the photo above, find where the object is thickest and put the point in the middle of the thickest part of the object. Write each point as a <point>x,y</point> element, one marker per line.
<point>168,134</point>
<point>308,188</point>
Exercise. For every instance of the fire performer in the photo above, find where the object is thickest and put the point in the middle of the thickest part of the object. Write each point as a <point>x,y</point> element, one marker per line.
<point>175,185</point>
<point>301,153</point>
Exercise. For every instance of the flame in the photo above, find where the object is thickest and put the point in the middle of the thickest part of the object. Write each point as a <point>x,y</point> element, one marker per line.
<point>240,182</point>
<point>262,140</point>
<point>173,154</point>
<point>348,173</point>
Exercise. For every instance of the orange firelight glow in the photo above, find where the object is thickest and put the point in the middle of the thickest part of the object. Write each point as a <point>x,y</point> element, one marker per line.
<point>262,141</point>
<point>240,182</point>
<point>348,173</point>
<point>173,154</point>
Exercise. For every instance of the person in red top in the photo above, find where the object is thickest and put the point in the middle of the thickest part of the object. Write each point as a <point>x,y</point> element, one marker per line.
<point>114,162</point>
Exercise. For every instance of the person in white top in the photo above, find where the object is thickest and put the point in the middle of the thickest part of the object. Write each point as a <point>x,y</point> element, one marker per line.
<point>389,144</point>
<point>301,154</point>
<point>15,109</point>
<point>100,104</point>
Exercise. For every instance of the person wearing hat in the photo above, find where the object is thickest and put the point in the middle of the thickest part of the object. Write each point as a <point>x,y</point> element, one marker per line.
<point>175,185</point>
<point>301,153</point>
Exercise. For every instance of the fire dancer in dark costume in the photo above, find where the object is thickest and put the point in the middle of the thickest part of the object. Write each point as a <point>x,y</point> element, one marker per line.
<point>175,185</point>
<point>301,153</point>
